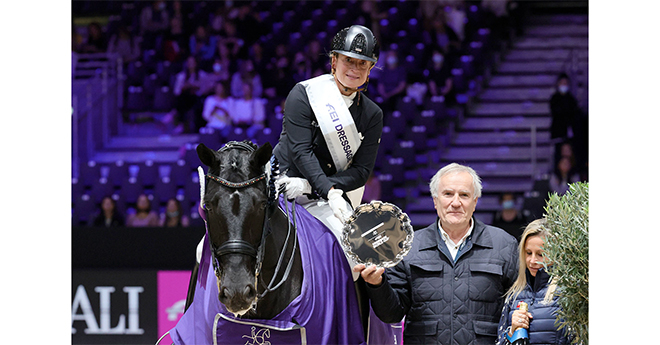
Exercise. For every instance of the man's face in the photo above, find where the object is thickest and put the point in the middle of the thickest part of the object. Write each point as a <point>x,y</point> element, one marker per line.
<point>455,202</point>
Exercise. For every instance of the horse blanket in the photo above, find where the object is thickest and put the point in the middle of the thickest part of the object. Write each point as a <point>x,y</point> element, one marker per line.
<point>325,312</point>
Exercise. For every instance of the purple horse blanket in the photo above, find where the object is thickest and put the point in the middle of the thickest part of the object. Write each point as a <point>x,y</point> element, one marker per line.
<point>325,312</point>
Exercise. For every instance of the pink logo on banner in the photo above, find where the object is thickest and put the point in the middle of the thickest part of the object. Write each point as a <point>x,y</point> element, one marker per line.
<point>172,292</point>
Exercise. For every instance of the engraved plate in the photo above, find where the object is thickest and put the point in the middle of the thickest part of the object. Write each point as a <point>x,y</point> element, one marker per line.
<point>377,233</point>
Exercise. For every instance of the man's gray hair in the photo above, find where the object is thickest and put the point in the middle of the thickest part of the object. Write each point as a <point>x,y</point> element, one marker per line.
<point>455,168</point>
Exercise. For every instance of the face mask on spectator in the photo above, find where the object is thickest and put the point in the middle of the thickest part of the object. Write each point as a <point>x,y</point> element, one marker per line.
<point>508,204</point>
<point>563,89</point>
<point>173,214</point>
<point>437,58</point>
<point>217,67</point>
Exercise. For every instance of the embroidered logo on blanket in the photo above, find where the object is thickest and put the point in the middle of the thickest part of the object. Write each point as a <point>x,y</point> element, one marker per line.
<point>259,337</point>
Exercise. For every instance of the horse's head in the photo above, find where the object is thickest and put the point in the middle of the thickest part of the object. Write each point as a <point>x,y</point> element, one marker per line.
<point>235,202</point>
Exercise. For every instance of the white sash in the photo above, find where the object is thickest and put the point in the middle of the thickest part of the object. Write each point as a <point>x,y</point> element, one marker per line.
<point>336,123</point>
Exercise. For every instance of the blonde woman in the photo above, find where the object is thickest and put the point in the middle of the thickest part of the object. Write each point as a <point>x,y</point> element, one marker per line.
<point>536,288</point>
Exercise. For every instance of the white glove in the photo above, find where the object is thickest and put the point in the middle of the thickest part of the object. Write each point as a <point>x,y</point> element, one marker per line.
<point>295,186</point>
<point>338,205</point>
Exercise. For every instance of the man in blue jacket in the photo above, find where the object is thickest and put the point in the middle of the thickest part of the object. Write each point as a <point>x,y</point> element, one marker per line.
<point>450,286</point>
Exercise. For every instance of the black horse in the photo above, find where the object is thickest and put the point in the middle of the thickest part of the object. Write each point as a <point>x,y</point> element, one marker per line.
<point>254,246</point>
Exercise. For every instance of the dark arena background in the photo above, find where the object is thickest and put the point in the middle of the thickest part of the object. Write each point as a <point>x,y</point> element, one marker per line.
<point>471,82</point>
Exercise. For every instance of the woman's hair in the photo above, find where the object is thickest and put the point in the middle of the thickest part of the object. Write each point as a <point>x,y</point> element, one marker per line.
<point>535,228</point>
<point>455,168</point>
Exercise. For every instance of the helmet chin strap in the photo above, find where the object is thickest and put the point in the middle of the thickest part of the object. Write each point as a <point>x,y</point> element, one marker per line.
<point>346,88</point>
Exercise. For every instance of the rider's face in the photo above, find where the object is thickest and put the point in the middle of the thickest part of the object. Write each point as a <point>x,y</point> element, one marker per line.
<point>350,71</point>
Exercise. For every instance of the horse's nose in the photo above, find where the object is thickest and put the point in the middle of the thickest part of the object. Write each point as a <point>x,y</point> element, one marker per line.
<point>230,296</point>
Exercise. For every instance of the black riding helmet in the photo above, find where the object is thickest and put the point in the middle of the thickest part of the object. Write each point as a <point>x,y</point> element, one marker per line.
<point>357,42</point>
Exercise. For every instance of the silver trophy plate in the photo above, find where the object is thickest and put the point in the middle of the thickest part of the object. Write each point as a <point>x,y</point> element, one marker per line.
<point>377,233</point>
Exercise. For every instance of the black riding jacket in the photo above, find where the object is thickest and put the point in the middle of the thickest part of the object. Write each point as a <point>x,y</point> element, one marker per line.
<point>303,151</point>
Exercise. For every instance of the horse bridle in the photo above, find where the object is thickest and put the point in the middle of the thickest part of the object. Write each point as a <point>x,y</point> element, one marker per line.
<point>243,247</point>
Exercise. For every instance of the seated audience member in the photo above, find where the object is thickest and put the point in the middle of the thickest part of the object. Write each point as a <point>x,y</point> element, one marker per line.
<point>246,74</point>
<point>143,215</point>
<point>187,89</point>
<point>392,81</point>
<point>108,216</point>
<point>509,218</point>
<point>174,215</point>
<point>125,44</point>
<point>249,112</point>
<point>440,81</point>
<point>563,175</point>
<point>218,108</point>
<point>96,40</point>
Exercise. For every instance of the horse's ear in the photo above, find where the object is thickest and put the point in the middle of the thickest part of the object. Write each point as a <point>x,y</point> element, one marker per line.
<point>206,155</point>
<point>262,155</point>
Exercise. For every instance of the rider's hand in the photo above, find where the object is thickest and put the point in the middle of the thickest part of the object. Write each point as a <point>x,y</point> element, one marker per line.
<point>295,186</point>
<point>372,274</point>
<point>338,204</point>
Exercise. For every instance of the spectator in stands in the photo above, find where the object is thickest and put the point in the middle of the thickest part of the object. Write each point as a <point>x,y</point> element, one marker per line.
<point>280,79</point>
<point>248,24</point>
<point>143,215</point>
<point>125,44</point>
<point>233,41</point>
<point>175,40</point>
<point>187,89</point>
<point>569,121</point>
<point>438,33</point>
<point>392,81</point>
<point>246,74</point>
<point>302,68</point>
<point>440,80</point>
<point>202,45</point>
<point>217,20</point>
<point>219,73</point>
<point>563,175</point>
<point>96,40</point>
<point>563,109</point>
<point>316,58</point>
<point>508,217</point>
<point>154,22</point>
<point>371,15</point>
<point>174,216</point>
<point>535,287</point>
<point>249,112</point>
<point>450,286</point>
<point>256,54</point>
<point>108,215</point>
<point>218,108</point>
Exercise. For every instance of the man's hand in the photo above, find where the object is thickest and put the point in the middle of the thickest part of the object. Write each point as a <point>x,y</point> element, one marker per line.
<point>372,274</point>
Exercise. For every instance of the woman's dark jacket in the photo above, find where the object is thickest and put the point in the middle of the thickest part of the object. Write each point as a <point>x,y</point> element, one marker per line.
<point>542,329</point>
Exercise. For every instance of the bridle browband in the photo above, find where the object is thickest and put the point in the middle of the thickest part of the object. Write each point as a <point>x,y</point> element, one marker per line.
<point>243,247</point>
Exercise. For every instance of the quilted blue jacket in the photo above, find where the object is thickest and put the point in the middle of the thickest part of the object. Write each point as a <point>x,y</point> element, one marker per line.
<point>448,301</point>
<point>542,329</point>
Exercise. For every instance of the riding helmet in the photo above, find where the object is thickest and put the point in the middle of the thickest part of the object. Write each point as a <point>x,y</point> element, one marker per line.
<point>357,42</point>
